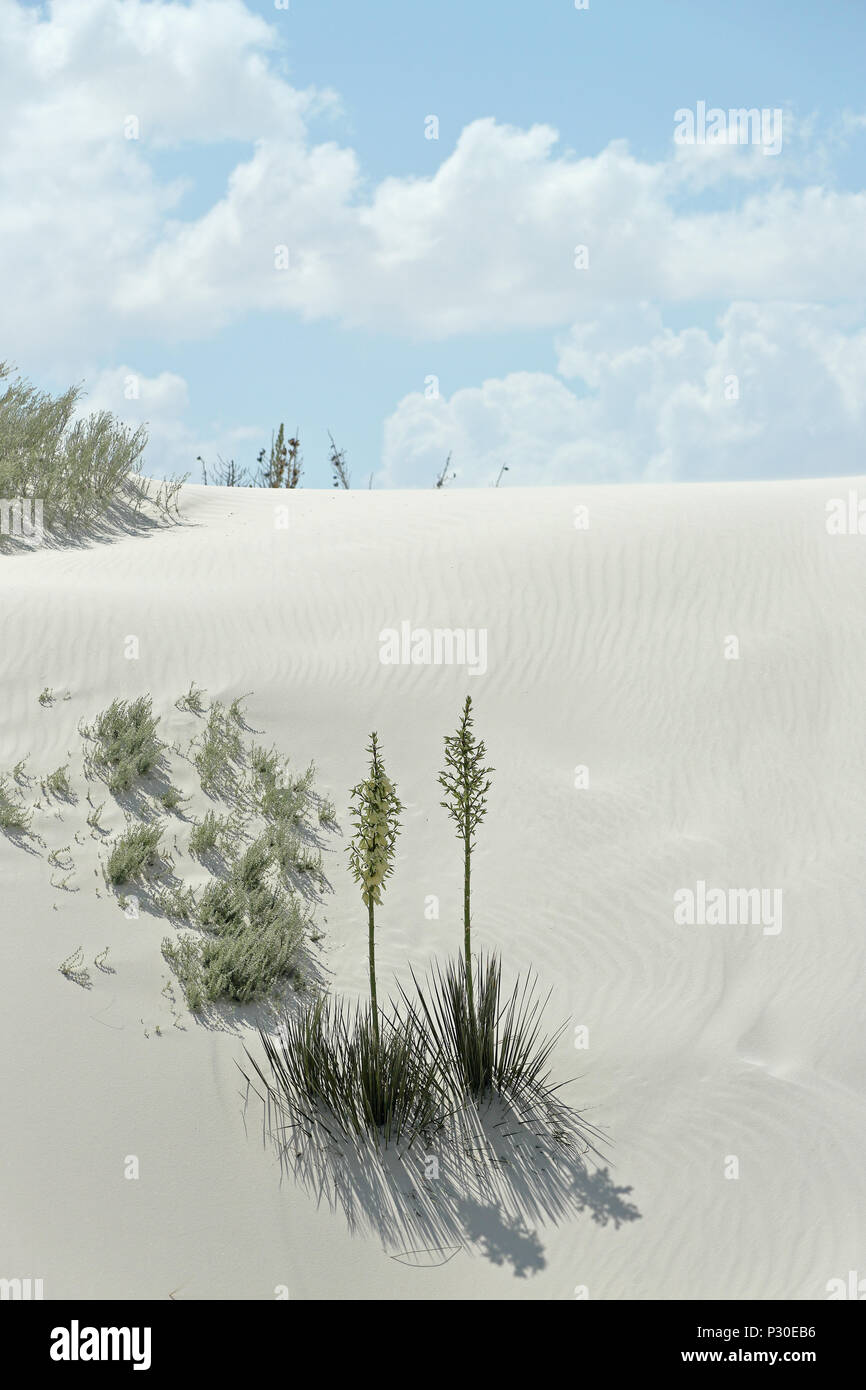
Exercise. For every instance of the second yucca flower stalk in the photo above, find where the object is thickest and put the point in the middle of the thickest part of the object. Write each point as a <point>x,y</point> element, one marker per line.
<point>375,808</point>
<point>466,783</point>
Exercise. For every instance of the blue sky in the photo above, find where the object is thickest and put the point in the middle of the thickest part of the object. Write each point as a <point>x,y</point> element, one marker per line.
<point>717,330</point>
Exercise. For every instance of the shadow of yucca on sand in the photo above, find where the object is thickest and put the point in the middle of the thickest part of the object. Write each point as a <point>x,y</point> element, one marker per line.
<point>433,1123</point>
<point>482,1180</point>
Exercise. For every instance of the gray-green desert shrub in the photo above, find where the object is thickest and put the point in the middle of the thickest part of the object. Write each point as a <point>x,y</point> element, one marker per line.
<point>13,815</point>
<point>183,955</point>
<point>284,845</point>
<point>57,782</point>
<point>171,799</point>
<point>252,932</point>
<point>76,467</point>
<point>133,854</point>
<point>127,746</point>
<point>193,700</point>
<point>218,753</point>
<point>209,834</point>
<point>74,969</point>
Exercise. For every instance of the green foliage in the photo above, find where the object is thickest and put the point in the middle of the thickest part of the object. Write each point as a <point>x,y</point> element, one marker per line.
<point>209,834</point>
<point>193,701</point>
<point>183,956</point>
<point>178,902</point>
<point>265,765</point>
<point>464,778</point>
<point>466,782</point>
<point>284,464</point>
<point>127,746</point>
<point>237,713</point>
<point>171,799</point>
<point>284,846</point>
<point>133,854</point>
<point>375,808</point>
<point>219,753</point>
<point>345,1069</point>
<point>74,969</point>
<point>13,816</point>
<point>57,783</point>
<point>46,698</point>
<point>498,1045</point>
<point>77,467</point>
<point>253,931</point>
<point>339,468</point>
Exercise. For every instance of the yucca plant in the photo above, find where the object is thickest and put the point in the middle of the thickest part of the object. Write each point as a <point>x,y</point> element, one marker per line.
<point>495,1044</point>
<point>466,782</point>
<point>329,1065</point>
<point>375,807</point>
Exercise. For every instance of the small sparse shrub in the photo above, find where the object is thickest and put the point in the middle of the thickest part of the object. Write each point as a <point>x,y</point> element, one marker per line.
<point>171,799</point>
<point>251,866</point>
<point>209,834</point>
<point>220,907</point>
<point>127,745</point>
<point>265,764</point>
<point>133,854</point>
<point>13,816</point>
<point>219,753</point>
<point>193,700</point>
<point>78,465</point>
<point>183,956</point>
<point>178,902</point>
<point>284,845</point>
<point>308,861</point>
<point>237,713</point>
<point>47,697</point>
<point>57,783</point>
<point>18,773</point>
<point>74,968</point>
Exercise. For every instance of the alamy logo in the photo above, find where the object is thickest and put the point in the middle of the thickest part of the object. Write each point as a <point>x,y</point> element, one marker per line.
<point>742,126</point>
<point>438,646</point>
<point>21,1289</point>
<point>731,907</point>
<point>76,1343</point>
<point>846,516</point>
<point>22,518</point>
<point>855,1287</point>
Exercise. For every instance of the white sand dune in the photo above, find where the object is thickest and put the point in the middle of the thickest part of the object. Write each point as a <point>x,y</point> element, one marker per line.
<point>606,648</point>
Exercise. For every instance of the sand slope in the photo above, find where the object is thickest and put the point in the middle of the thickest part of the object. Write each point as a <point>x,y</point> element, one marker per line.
<point>605,649</point>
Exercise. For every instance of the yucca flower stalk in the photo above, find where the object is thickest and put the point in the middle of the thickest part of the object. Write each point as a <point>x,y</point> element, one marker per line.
<point>375,808</point>
<point>466,782</point>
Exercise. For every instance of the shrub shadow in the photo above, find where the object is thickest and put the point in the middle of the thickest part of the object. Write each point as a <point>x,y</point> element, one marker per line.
<point>485,1183</point>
